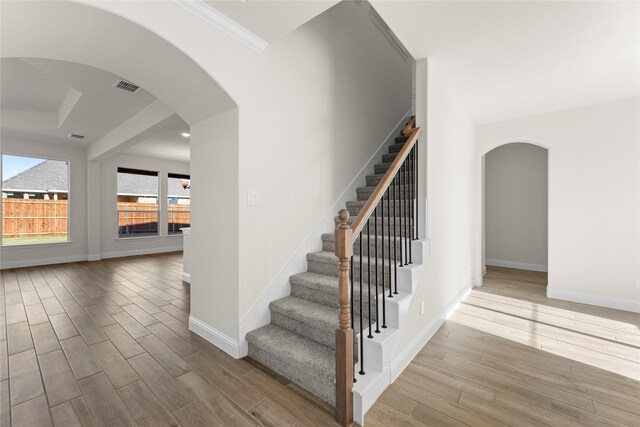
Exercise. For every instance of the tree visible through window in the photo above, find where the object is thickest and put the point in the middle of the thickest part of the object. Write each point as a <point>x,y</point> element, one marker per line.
<point>138,207</point>
<point>35,200</point>
<point>178,202</point>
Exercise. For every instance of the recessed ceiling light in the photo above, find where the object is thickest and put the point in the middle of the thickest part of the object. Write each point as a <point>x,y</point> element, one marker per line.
<point>186,134</point>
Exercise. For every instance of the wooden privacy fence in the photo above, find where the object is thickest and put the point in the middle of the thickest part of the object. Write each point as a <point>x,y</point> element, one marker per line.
<point>44,218</point>
<point>135,218</point>
<point>34,217</point>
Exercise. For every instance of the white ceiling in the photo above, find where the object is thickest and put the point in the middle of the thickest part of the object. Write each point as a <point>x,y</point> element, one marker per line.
<point>512,59</point>
<point>163,141</point>
<point>269,19</point>
<point>27,88</point>
<point>45,100</point>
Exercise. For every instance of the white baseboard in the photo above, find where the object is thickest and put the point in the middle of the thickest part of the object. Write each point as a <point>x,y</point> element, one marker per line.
<point>259,315</point>
<point>186,277</point>
<point>34,262</point>
<point>516,265</point>
<point>593,299</point>
<point>413,348</point>
<point>41,261</point>
<point>146,251</point>
<point>215,337</point>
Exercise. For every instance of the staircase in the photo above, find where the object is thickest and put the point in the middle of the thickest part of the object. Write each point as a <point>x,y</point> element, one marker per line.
<point>300,341</point>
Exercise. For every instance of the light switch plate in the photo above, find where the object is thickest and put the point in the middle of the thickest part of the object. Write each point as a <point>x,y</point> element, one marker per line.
<point>253,198</point>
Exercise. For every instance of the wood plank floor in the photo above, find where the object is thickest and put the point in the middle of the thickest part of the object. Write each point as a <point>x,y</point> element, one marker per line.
<point>511,356</point>
<point>107,344</point>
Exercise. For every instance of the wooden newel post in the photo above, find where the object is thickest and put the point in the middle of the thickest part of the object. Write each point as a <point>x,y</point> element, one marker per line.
<point>344,335</point>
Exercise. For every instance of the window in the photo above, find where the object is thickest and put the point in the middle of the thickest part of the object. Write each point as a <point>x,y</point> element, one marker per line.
<point>35,200</point>
<point>178,202</point>
<point>137,203</point>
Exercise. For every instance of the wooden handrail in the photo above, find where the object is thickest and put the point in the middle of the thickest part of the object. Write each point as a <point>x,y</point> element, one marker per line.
<point>345,237</point>
<point>409,126</point>
<point>382,186</point>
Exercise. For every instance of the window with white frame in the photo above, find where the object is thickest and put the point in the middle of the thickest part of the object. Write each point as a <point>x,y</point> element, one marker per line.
<point>35,200</point>
<point>138,204</point>
<point>178,202</point>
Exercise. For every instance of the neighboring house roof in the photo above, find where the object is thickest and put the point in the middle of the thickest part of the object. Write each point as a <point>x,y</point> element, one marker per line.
<point>143,185</point>
<point>50,176</point>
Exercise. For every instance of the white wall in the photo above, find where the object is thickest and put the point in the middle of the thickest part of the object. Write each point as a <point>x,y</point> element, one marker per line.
<point>312,108</point>
<point>76,248</point>
<point>516,206</point>
<point>450,134</point>
<point>110,244</point>
<point>322,101</point>
<point>594,196</point>
<point>215,224</point>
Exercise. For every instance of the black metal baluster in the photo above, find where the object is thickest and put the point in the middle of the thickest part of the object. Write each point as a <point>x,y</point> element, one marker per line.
<point>351,288</point>
<point>400,217</point>
<point>352,313</point>
<point>411,181</point>
<point>369,275</point>
<point>361,311</point>
<point>375,252</point>
<point>384,313</point>
<point>389,232</point>
<point>395,240</point>
<point>417,193</point>
<point>404,205</point>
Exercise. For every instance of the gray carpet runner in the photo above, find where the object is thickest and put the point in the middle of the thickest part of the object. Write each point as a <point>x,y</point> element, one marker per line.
<point>299,343</point>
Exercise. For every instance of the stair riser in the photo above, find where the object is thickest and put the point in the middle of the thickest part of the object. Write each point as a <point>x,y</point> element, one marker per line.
<point>320,335</point>
<point>331,300</point>
<point>365,193</point>
<point>386,225</point>
<point>388,158</point>
<point>381,168</point>
<point>321,384</point>
<point>354,209</point>
<point>373,180</point>
<point>332,270</point>
<point>330,246</point>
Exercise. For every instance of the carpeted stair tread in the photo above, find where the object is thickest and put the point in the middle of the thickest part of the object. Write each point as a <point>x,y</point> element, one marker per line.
<point>314,321</point>
<point>323,283</point>
<point>329,241</point>
<point>306,311</point>
<point>303,361</point>
<point>299,342</point>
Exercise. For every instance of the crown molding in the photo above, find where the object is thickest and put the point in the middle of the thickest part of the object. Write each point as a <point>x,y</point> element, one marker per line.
<point>222,22</point>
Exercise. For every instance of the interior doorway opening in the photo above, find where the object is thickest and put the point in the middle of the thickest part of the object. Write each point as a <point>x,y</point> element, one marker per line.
<point>515,207</point>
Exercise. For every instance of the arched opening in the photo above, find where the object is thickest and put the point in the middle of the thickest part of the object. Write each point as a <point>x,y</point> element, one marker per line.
<point>86,35</point>
<point>515,207</point>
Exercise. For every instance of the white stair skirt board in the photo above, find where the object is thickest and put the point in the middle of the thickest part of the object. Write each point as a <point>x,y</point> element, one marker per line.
<point>260,315</point>
<point>186,277</point>
<point>516,265</point>
<point>593,299</point>
<point>219,339</point>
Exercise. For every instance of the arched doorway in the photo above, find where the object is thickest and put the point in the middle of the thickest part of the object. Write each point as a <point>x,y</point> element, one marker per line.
<point>515,207</point>
<point>87,35</point>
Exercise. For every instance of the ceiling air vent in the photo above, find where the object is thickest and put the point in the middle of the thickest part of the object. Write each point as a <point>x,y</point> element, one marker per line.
<point>76,136</point>
<point>126,86</point>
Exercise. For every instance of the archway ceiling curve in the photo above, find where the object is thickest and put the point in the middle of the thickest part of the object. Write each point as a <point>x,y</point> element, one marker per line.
<point>83,34</point>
